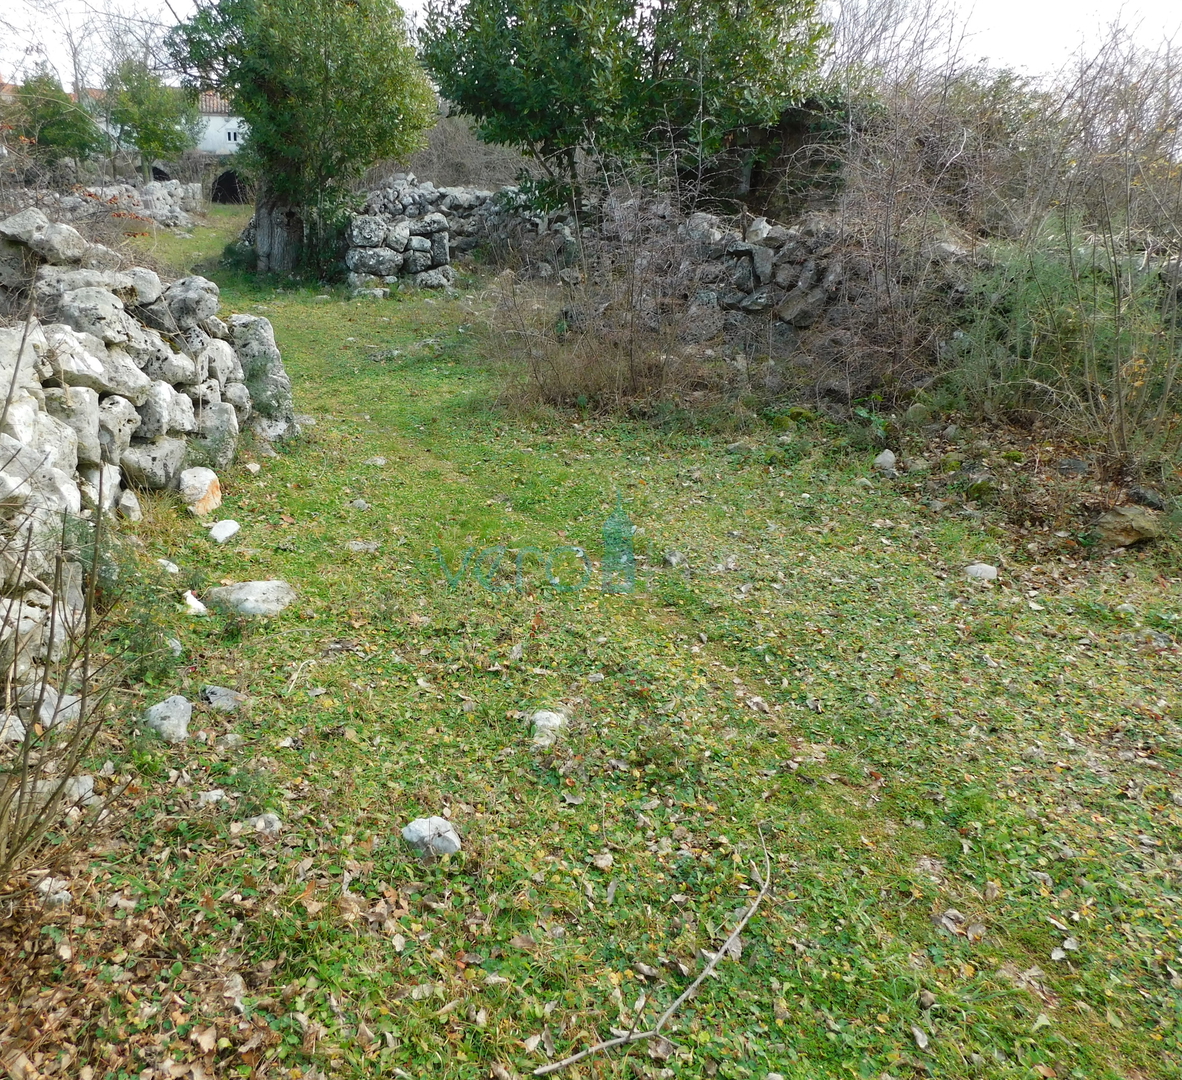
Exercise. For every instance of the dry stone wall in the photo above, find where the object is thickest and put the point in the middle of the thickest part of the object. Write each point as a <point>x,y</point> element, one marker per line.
<point>167,203</point>
<point>116,382</point>
<point>732,279</point>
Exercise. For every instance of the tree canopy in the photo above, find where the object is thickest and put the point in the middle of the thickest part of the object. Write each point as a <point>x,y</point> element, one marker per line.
<point>326,88</point>
<point>159,120</point>
<point>554,77</point>
<point>52,123</point>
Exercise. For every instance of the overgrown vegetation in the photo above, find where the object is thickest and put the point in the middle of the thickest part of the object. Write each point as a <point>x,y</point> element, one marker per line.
<point>1004,247</point>
<point>326,89</point>
<point>969,792</point>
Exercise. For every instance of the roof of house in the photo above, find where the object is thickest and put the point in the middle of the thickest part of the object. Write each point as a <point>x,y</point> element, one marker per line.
<point>212,104</point>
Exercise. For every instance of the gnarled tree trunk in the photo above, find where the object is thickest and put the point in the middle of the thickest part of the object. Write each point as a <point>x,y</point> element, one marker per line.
<point>279,235</point>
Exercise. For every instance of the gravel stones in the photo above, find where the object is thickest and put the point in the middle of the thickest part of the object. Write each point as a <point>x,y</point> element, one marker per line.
<point>432,836</point>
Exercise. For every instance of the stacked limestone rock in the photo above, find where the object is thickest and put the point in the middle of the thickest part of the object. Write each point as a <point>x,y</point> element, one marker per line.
<point>730,276</point>
<point>791,274</point>
<point>168,203</point>
<point>470,212</point>
<point>383,250</point>
<point>119,381</point>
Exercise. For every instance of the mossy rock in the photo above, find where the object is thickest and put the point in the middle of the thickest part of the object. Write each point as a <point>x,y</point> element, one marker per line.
<point>982,491</point>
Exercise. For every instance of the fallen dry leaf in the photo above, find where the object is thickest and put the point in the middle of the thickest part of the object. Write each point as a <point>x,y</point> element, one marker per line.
<point>206,1039</point>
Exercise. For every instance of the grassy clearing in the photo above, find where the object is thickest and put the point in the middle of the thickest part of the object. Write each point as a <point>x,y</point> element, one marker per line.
<point>198,250</point>
<point>967,792</point>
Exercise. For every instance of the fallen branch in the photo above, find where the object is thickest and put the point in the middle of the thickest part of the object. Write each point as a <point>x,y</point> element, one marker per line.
<point>641,1036</point>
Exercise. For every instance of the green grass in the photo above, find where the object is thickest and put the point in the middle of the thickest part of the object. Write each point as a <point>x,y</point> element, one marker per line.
<point>928,745</point>
<point>199,250</point>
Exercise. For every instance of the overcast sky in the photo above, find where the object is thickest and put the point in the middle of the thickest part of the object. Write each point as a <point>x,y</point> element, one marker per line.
<point>1034,35</point>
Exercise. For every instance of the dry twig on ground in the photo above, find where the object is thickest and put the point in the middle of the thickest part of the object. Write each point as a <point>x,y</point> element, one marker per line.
<point>641,1036</point>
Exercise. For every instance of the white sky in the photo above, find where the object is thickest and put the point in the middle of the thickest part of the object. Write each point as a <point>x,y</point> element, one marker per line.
<point>1034,35</point>
<point>1039,35</point>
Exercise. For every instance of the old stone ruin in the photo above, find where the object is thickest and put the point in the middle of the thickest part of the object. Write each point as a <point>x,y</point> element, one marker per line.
<point>115,382</point>
<point>766,296</point>
<point>754,268</point>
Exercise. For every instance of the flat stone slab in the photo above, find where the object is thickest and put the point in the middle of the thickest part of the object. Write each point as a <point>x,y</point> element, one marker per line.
<point>255,598</point>
<point>222,698</point>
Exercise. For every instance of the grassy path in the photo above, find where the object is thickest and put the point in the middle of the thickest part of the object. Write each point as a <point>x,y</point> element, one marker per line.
<point>970,794</point>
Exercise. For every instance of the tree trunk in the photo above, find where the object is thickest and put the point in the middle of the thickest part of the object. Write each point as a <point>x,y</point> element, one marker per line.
<point>279,235</point>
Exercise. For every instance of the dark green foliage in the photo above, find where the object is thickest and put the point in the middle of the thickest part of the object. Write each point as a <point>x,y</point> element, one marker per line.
<point>52,123</point>
<point>616,77</point>
<point>325,87</point>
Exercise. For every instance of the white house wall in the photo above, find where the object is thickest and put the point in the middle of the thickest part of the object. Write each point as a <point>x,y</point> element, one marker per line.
<point>223,135</point>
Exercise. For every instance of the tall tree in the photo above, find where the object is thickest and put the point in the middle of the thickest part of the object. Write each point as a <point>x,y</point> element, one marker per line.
<point>54,125</point>
<point>553,77</point>
<point>144,112</point>
<point>326,88</point>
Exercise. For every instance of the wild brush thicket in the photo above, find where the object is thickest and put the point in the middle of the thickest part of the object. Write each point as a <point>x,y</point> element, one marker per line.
<point>1027,234</point>
<point>1018,241</point>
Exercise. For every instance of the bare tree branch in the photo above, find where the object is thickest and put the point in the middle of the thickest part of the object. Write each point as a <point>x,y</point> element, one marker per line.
<point>641,1036</point>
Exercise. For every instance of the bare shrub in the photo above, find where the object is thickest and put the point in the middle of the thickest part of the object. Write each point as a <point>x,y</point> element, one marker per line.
<point>455,157</point>
<point>1022,236</point>
<point>54,683</point>
<point>607,321</point>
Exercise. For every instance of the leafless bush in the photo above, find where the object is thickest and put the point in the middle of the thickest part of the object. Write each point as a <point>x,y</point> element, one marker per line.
<point>52,706</point>
<point>455,157</point>
<point>1022,235</point>
<point>606,321</point>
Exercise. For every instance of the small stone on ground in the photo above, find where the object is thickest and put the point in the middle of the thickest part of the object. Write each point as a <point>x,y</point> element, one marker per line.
<point>432,836</point>
<point>170,718</point>
<point>223,530</point>
<point>222,698</point>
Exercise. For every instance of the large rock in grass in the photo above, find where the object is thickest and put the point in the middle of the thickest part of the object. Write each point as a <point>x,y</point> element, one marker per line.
<point>432,836</point>
<point>156,464</point>
<point>200,490</point>
<point>252,598</point>
<point>1126,525</point>
<point>170,719</point>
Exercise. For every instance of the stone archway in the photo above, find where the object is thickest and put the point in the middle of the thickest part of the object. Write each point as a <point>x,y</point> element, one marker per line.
<point>228,188</point>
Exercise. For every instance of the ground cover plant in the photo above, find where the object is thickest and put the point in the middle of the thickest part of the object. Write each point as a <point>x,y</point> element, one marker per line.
<point>968,792</point>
